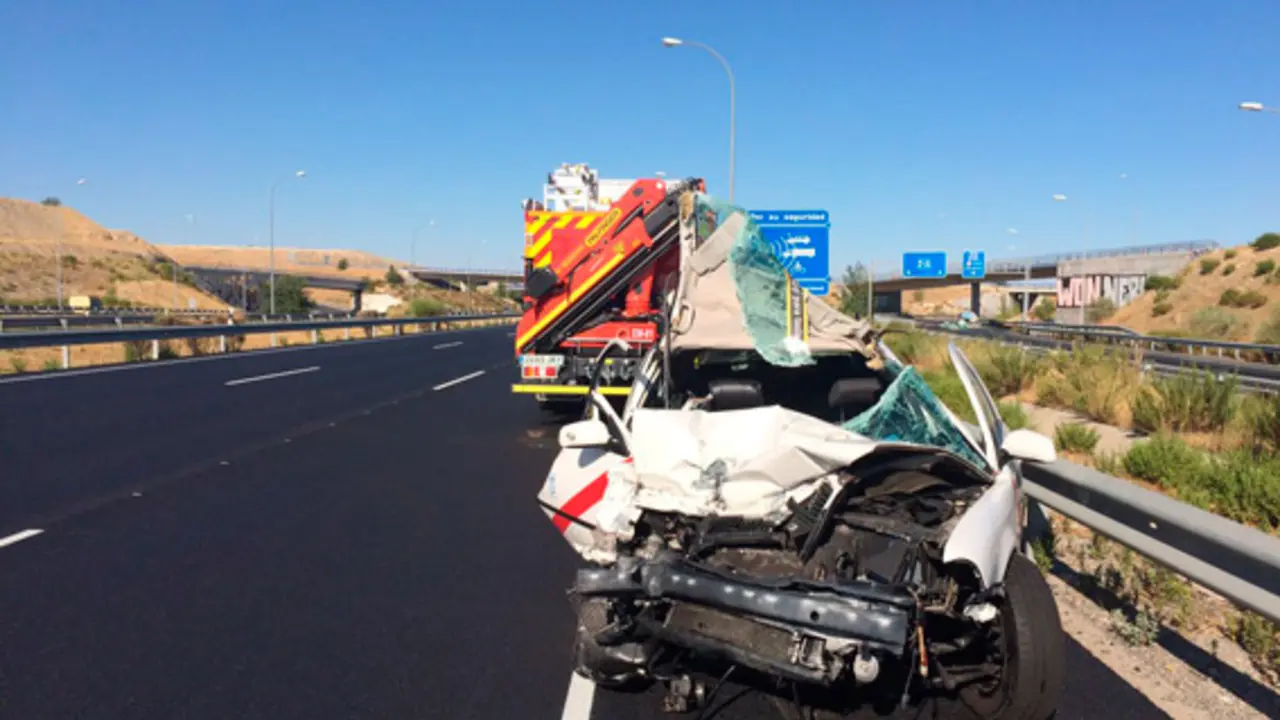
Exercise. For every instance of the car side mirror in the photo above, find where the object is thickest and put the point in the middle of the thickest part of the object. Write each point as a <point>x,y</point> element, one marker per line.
<point>1029,445</point>
<point>585,434</point>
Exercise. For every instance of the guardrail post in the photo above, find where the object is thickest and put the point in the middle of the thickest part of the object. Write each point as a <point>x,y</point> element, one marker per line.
<point>273,339</point>
<point>347,331</point>
<point>66,349</point>
<point>155,349</point>
<point>315,337</point>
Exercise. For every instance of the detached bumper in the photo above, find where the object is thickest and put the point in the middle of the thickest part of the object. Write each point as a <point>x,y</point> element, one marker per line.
<point>781,626</point>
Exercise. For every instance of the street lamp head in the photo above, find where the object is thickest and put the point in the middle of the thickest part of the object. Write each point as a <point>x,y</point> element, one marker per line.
<point>1059,197</point>
<point>81,181</point>
<point>301,173</point>
<point>1251,106</point>
<point>672,42</point>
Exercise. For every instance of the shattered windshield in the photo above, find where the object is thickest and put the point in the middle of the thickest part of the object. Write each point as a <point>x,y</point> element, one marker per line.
<point>910,412</point>
<point>773,312</point>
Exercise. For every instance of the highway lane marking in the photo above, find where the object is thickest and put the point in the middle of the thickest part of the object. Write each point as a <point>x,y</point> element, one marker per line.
<point>457,381</point>
<point>271,376</point>
<point>447,345</point>
<point>577,703</point>
<point>247,354</point>
<point>19,537</point>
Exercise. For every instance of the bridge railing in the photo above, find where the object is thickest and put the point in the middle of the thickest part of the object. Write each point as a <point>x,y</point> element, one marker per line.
<point>1017,265</point>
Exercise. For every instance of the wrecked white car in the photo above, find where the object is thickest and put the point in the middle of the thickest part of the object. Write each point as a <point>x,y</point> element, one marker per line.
<point>782,498</point>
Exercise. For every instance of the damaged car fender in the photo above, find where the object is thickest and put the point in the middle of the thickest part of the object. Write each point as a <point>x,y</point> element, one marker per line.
<point>589,497</point>
<point>987,535</point>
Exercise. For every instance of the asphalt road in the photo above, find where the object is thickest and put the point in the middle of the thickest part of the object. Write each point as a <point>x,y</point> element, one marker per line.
<point>357,541</point>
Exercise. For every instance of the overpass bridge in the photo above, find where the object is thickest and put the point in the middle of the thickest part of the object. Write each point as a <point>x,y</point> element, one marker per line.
<point>244,287</point>
<point>464,277</point>
<point>1127,262</point>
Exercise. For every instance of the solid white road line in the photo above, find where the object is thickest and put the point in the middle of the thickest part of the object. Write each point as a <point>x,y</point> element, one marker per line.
<point>456,381</point>
<point>447,345</point>
<point>19,537</point>
<point>271,376</point>
<point>577,704</point>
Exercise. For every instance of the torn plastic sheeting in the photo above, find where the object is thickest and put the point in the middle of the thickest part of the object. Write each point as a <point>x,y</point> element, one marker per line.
<point>908,411</point>
<point>762,285</point>
<point>741,462</point>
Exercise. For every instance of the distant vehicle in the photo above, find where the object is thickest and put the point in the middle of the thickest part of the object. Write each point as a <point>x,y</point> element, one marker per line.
<point>84,302</point>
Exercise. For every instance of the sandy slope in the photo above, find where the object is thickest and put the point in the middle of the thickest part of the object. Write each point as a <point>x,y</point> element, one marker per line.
<point>1204,290</point>
<point>97,261</point>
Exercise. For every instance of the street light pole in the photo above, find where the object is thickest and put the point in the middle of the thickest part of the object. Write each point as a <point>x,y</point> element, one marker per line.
<point>676,42</point>
<point>57,244</point>
<point>271,235</point>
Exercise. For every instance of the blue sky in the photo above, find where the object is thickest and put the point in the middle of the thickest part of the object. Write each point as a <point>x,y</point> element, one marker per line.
<point>918,125</point>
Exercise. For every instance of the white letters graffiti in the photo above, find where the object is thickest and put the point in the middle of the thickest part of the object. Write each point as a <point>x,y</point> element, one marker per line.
<point>1075,292</point>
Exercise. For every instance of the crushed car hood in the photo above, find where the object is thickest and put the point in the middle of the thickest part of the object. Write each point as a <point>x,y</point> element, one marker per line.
<point>735,462</point>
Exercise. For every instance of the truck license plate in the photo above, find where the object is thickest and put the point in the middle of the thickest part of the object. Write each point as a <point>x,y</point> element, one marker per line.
<point>540,366</point>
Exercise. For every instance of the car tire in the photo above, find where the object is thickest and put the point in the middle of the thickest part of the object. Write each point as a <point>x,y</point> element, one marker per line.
<point>1034,650</point>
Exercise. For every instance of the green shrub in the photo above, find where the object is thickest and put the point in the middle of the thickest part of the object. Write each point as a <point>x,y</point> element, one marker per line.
<point>1260,638</point>
<point>1161,308</point>
<point>1229,254</point>
<point>1230,268</point>
<point>1262,267</point>
<point>1232,297</point>
<point>1187,402</point>
<point>1261,415</point>
<point>1266,241</point>
<point>913,347</point>
<point>1162,458</point>
<point>51,364</point>
<point>1075,437</point>
<point>1163,283</point>
<point>1215,323</point>
<point>1014,415</point>
<point>343,264</point>
<point>1240,486</point>
<point>950,390</point>
<point>393,277</point>
<point>1208,265</point>
<point>1007,370</point>
<point>1045,310</point>
<point>426,307</point>
<point>1096,381</point>
<point>1100,310</point>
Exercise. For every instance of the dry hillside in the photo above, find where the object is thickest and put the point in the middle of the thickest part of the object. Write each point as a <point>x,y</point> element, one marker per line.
<point>299,261</point>
<point>1202,306</point>
<point>96,261</point>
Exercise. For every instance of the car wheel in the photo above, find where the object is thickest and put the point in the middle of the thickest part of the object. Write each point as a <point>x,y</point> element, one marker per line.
<point>1029,647</point>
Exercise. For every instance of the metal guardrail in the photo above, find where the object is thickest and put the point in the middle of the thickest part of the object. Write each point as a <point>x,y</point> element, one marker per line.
<point>1125,336</point>
<point>159,334</point>
<point>11,323</point>
<point>1238,562</point>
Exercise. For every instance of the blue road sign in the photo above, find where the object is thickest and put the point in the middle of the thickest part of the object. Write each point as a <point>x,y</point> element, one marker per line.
<point>974,266</point>
<point>924,264</point>
<point>801,239</point>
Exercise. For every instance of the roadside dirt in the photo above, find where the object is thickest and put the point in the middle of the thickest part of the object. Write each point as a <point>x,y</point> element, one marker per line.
<point>1196,674</point>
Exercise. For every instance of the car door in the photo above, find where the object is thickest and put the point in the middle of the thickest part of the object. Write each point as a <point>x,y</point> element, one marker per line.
<point>991,427</point>
<point>991,530</point>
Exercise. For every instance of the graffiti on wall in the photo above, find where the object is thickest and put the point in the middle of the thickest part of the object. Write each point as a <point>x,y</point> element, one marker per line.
<point>1085,290</point>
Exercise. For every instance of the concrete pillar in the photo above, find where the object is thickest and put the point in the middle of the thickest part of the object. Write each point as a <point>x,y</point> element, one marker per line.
<point>975,298</point>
